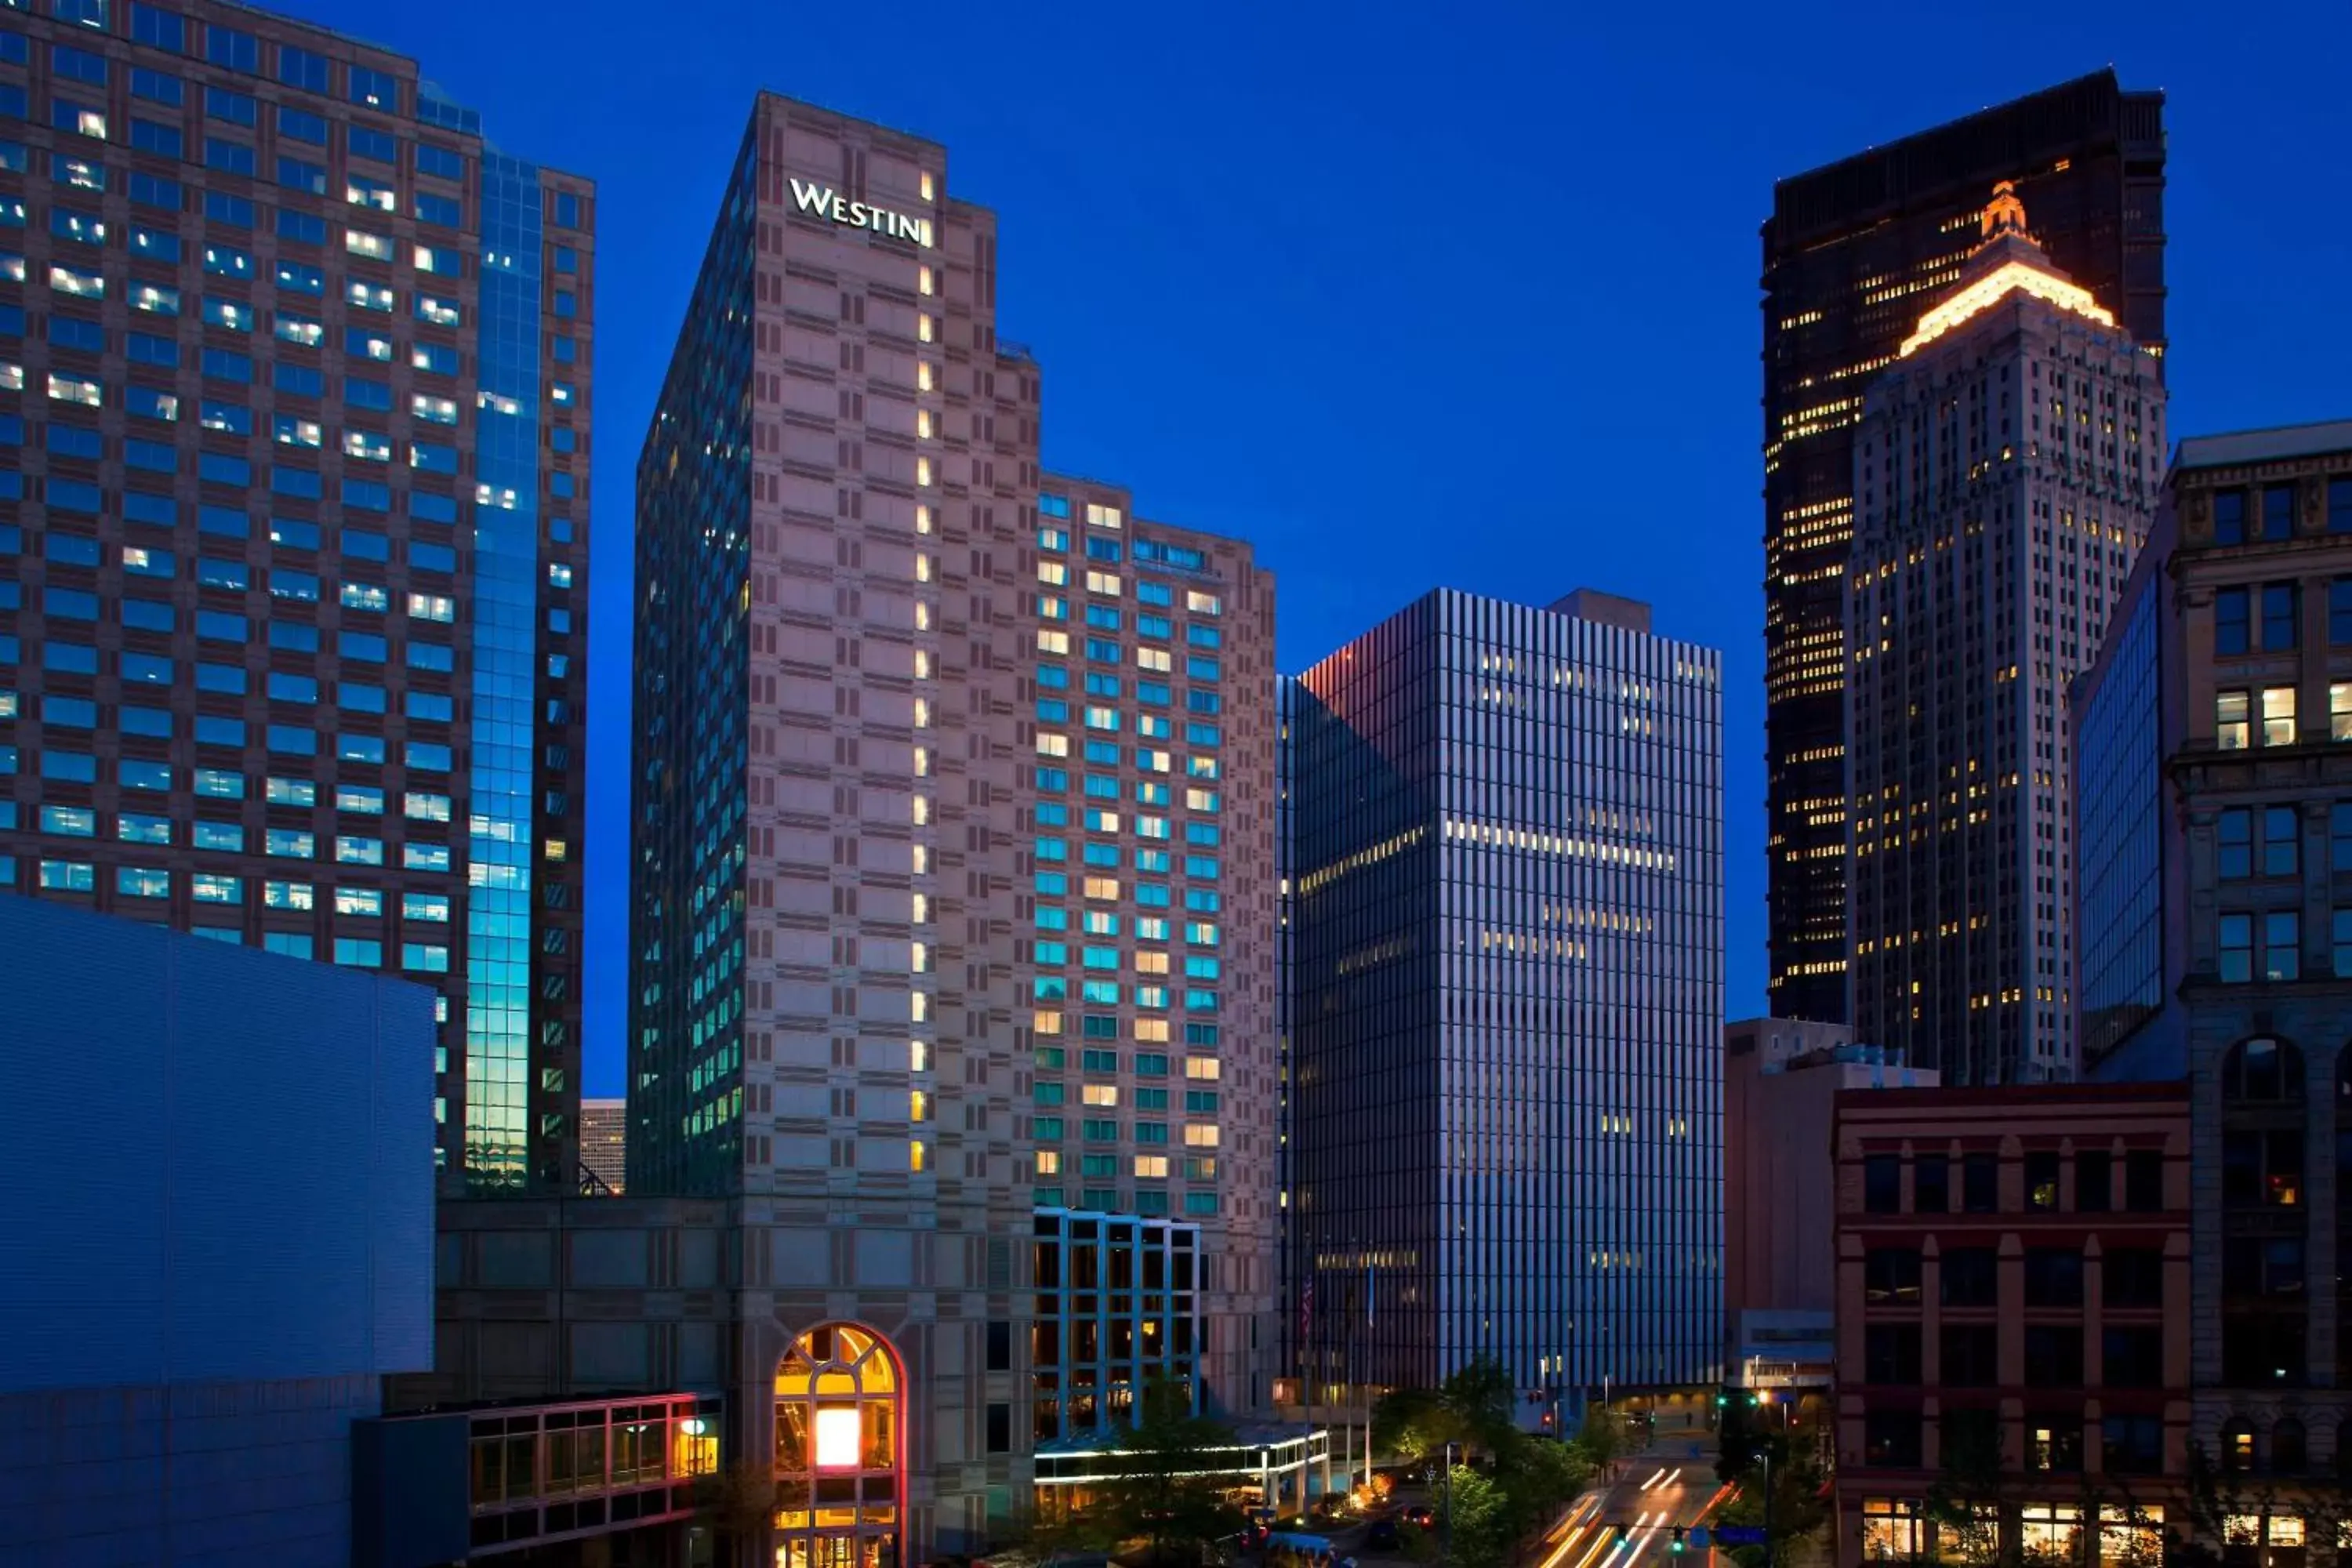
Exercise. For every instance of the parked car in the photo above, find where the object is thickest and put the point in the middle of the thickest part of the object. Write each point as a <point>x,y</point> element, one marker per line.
<point>1420,1514</point>
<point>1383,1536</point>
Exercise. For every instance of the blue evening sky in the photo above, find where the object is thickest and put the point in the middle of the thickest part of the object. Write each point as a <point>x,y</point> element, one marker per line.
<point>1408,296</point>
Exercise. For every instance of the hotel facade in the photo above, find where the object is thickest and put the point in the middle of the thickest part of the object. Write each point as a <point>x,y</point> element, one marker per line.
<point>953,908</point>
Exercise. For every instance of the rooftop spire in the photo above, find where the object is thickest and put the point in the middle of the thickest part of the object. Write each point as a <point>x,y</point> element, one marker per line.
<point>2005,213</point>
<point>2007,261</point>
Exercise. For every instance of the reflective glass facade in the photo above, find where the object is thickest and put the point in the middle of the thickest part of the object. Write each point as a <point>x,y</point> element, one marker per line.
<point>688,791</point>
<point>1507,1027</point>
<point>2119,824</point>
<point>294,373</point>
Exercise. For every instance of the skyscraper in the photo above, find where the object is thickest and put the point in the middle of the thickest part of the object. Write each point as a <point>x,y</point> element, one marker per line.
<point>1849,251</point>
<point>1154,927</point>
<point>293,534</point>
<point>953,908</point>
<point>1507,913</point>
<point>2008,469</point>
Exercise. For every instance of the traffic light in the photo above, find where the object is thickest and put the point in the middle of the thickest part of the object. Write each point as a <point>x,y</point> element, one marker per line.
<point>1678,1538</point>
<point>1625,1531</point>
<point>1721,1400</point>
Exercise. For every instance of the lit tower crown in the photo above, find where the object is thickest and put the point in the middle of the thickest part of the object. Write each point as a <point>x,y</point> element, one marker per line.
<point>2007,260</point>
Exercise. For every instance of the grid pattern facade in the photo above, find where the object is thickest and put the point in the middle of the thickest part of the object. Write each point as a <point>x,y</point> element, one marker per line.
<point>2007,475</point>
<point>1119,1305</point>
<point>2014,1275</point>
<point>838,497</point>
<point>2261,590</point>
<point>1507,1027</point>
<point>1851,252</point>
<point>1152,910</point>
<point>293,539</point>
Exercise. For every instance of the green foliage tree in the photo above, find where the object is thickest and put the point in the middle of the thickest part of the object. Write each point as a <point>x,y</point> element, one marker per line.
<point>1480,1522</point>
<point>1794,1475</point>
<point>1603,1434</point>
<point>1160,1497</point>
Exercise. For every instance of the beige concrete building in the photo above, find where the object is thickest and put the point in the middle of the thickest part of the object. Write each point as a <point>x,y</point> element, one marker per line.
<point>2006,471</point>
<point>603,1142</point>
<point>1782,1080</point>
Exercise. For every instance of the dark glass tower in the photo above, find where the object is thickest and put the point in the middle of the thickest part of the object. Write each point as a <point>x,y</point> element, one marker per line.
<point>1507,923</point>
<point>1853,254</point>
<point>294,389</point>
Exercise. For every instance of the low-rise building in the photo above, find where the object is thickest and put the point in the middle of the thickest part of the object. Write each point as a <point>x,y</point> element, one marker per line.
<point>219,1240</point>
<point>1781,1079</point>
<point>2013,1320</point>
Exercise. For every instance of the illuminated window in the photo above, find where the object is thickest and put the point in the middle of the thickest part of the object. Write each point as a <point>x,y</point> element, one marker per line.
<point>1049,1162</point>
<point>1101,1094</point>
<point>1200,1135</point>
<point>1152,1165</point>
<point>1206,1069</point>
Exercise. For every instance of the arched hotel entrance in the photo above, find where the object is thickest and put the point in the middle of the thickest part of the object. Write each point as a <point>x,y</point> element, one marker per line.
<point>840,1446</point>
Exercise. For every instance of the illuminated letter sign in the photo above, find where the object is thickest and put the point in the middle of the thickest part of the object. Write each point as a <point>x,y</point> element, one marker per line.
<point>826,202</point>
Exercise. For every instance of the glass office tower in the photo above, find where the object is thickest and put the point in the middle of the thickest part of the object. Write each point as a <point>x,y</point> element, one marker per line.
<point>294,370</point>
<point>1507,907</point>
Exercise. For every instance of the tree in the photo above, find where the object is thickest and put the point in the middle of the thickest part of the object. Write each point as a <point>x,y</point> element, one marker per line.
<point>1481,1525</point>
<point>1602,1434</point>
<point>1793,1474</point>
<point>1162,1495</point>
<point>1414,1423</point>
<point>1473,1411</point>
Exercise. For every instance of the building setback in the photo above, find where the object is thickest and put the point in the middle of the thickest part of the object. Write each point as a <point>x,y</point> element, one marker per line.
<point>1151,944</point>
<point>952,829</point>
<point>1848,252</point>
<point>1506,1036</point>
<point>295,374</point>
<point>2006,474</point>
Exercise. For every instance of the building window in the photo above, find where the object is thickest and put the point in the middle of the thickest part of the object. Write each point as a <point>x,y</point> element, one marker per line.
<point>2339,709</point>
<point>2237,955</point>
<point>2229,517</point>
<point>1891,1355</point>
<point>2278,617</point>
<point>2053,1356</point>
<point>2233,621</point>
<point>2339,506</point>
<point>2042,1179</point>
<point>2278,511</point>
<point>1931,1184</point>
<point>2230,727</point>
<point>2053,1276</point>
<point>1981,1183</point>
<point>2263,1070</point>
<point>1970,1277</point>
<point>1882,1183</point>
<point>2261,1169</point>
<point>1890,1276</point>
<point>2144,1181</point>
<point>2339,613</point>
<point>2094,1180</point>
<point>1890,1439</point>
<point>2278,714</point>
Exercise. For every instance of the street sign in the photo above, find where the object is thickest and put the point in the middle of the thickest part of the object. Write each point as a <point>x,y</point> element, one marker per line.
<point>1698,1538</point>
<point>1739,1535</point>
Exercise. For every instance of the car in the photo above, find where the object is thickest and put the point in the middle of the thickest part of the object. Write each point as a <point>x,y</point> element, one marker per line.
<point>1383,1536</point>
<point>1420,1514</point>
